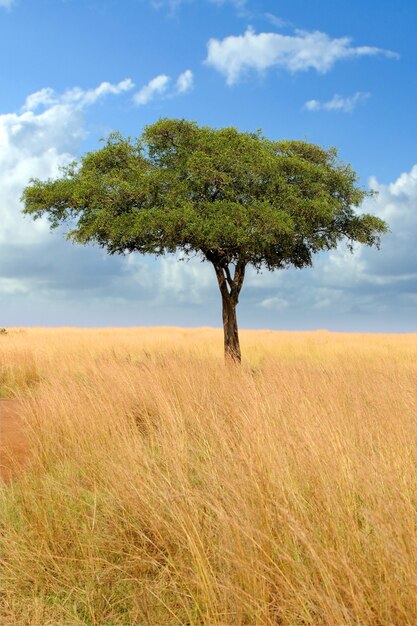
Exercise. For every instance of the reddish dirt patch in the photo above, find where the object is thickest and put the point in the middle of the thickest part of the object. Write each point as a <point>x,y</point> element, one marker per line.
<point>14,447</point>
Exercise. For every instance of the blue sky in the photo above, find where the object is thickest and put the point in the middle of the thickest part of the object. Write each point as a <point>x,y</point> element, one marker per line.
<point>333,73</point>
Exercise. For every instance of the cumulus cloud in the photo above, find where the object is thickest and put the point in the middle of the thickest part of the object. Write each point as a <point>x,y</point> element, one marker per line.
<point>76,96</point>
<point>43,278</point>
<point>86,98</point>
<point>370,289</point>
<point>159,87</point>
<point>396,264</point>
<point>338,103</point>
<point>35,142</point>
<point>156,86</point>
<point>382,284</point>
<point>185,82</point>
<point>234,56</point>
<point>40,273</point>
<point>185,281</point>
<point>396,202</point>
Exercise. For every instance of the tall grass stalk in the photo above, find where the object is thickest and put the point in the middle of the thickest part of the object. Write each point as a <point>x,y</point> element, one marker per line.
<point>167,487</point>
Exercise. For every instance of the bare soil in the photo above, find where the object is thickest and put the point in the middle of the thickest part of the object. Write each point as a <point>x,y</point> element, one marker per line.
<point>14,447</point>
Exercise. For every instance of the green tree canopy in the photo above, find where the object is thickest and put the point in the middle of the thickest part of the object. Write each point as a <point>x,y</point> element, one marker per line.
<point>236,199</point>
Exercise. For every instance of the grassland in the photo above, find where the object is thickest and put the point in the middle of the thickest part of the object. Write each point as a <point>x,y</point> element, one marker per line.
<point>168,488</point>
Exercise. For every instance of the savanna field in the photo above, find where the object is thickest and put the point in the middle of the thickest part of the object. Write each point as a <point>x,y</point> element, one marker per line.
<point>163,486</point>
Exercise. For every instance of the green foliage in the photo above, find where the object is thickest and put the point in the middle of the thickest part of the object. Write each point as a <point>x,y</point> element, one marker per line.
<point>238,197</point>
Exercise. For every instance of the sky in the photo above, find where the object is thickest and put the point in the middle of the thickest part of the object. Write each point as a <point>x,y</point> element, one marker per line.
<point>334,73</point>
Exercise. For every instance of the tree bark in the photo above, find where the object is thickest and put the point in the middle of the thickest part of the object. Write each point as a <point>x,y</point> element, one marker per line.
<point>230,329</point>
<point>230,287</point>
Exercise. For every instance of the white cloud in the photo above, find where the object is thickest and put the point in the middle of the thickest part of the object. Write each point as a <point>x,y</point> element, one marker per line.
<point>186,280</point>
<point>43,97</point>
<point>6,3</point>
<point>159,87</point>
<point>276,21</point>
<point>338,103</point>
<point>34,263</point>
<point>185,82</point>
<point>76,96</point>
<point>36,143</point>
<point>13,286</point>
<point>179,279</point>
<point>233,56</point>
<point>380,285</point>
<point>274,303</point>
<point>398,200</point>
<point>86,98</point>
<point>387,276</point>
<point>32,146</point>
<point>156,86</point>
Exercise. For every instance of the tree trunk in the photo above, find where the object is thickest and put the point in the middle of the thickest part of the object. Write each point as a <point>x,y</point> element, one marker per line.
<point>230,287</point>
<point>231,334</point>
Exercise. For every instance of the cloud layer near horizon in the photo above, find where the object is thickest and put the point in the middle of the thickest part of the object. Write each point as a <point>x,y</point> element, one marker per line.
<point>36,266</point>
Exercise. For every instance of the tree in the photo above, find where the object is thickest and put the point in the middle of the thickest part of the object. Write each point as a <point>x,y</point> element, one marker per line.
<point>235,199</point>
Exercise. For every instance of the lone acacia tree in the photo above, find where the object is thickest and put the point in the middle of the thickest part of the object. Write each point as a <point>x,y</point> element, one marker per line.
<point>236,199</point>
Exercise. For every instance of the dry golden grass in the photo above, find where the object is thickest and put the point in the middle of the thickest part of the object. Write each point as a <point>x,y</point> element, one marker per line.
<point>169,488</point>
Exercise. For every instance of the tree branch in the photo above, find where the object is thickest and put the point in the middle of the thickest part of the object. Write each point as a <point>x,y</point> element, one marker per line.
<point>229,286</point>
<point>238,278</point>
<point>229,278</point>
